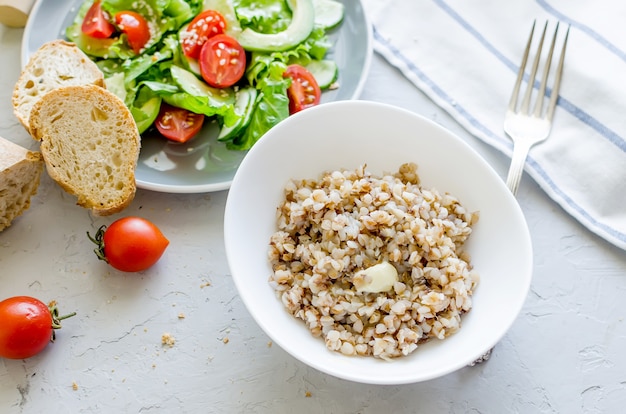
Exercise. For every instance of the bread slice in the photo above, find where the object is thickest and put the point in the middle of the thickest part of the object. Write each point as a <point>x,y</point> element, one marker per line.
<point>90,145</point>
<point>56,63</point>
<point>20,173</point>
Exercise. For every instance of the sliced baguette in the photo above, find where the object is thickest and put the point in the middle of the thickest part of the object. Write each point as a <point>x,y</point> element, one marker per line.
<point>90,145</point>
<point>20,173</point>
<point>56,63</point>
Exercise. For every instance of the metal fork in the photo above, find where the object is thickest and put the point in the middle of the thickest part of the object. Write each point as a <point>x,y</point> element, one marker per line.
<point>523,127</point>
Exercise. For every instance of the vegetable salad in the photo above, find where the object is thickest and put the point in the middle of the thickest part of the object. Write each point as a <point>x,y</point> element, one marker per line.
<point>248,64</point>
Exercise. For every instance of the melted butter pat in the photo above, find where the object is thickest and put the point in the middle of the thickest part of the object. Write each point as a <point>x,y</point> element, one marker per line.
<point>376,279</point>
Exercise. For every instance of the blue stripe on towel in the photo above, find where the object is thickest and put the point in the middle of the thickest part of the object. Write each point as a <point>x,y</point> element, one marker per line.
<point>608,230</point>
<point>568,106</point>
<point>437,90</point>
<point>585,29</point>
<point>483,129</point>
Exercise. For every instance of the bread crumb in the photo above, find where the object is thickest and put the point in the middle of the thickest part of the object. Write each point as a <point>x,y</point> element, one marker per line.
<point>225,340</point>
<point>74,386</point>
<point>205,284</point>
<point>168,339</point>
<point>181,316</point>
<point>269,344</point>
<point>307,394</point>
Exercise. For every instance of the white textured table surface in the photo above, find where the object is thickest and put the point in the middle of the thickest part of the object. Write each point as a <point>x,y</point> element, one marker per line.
<point>564,354</point>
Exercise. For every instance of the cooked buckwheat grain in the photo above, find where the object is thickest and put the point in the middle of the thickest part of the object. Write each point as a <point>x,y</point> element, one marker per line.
<point>347,221</point>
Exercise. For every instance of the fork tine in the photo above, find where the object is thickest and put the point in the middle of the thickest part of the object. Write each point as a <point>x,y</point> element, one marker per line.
<point>520,72</point>
<point>533,73</point>
<point>557,81</point>
<point>544,78</point>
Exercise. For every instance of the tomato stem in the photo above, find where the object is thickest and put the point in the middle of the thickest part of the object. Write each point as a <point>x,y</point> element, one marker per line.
<point>98,239</point>
<point>56,319</point>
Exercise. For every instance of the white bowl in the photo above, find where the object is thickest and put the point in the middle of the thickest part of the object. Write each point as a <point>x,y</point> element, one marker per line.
<point>347,134</point>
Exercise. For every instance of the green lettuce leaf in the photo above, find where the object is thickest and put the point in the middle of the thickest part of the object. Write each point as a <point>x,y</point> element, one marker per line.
<point>271,108</point>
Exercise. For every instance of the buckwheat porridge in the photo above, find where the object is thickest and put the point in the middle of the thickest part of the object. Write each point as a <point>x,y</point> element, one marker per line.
<point>373,264</point>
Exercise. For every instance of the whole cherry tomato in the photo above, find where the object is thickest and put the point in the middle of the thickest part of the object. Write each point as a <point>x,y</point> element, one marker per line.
<point>27,326</point>
<point>130,244</point>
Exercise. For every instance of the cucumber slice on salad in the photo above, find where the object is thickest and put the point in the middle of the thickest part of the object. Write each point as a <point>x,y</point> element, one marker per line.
<point>328,13</point>
<point>190,84</point>
<point>244,106</point>
<point>325,72</point>
<point>148,109</point>
<point>146,114</point>
<point>300,27</point>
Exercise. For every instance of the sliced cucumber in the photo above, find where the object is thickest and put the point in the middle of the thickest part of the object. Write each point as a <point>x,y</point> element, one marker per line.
<point>190,84</point>
<point>300,27</point>
<point>244,106</point>
<point>328,13</point>
<point>145,116</point>
<point>325,72</point>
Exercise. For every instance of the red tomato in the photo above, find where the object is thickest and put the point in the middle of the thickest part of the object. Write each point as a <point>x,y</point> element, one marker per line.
<point>27,326</point>
<point>178,124</point>
<point>207,24</point>
<point>135,27</point>
<point>304,91</point>
<point>130,244</point>
<point>96,24</point>
<point>222,61</point>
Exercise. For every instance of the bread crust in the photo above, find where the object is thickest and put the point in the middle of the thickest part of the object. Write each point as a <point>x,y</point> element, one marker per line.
<point>90,145</point>
<point>20,175</point>
<point>56,63</point>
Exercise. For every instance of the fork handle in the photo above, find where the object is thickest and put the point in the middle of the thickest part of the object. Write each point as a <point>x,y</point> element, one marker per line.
<point>516,169</point>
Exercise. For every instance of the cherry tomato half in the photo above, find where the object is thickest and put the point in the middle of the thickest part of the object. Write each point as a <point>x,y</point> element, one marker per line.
<point>304,91</point>
<point>135,27</point>
<point>130,244</point>
<point>205,25</point>
<point>222,61</point>
<point>27,326</point>
<point>96,24</point>
<point>178,124</point>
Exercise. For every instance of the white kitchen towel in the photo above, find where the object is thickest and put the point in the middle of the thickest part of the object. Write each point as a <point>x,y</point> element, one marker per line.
<point>465,54</point>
